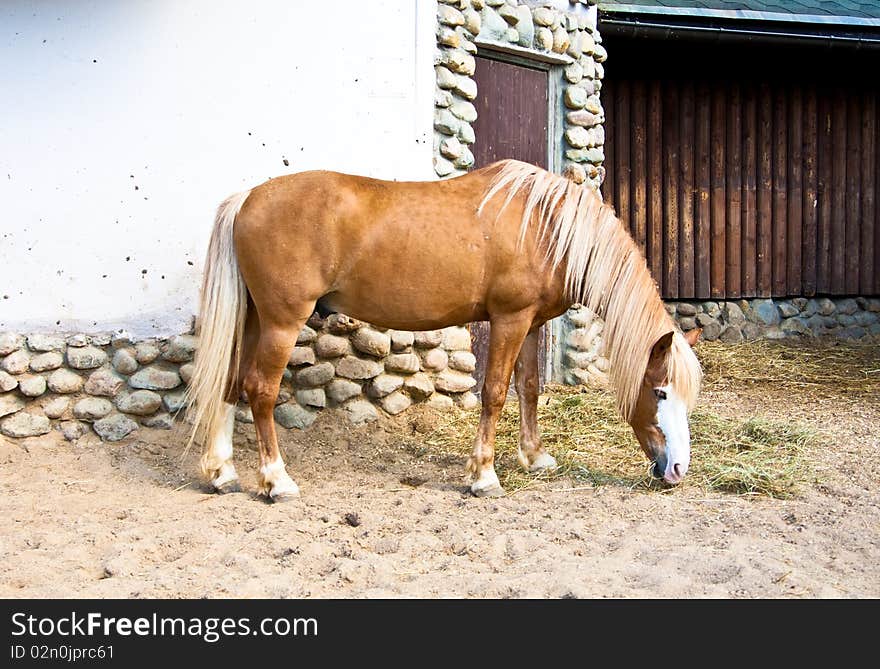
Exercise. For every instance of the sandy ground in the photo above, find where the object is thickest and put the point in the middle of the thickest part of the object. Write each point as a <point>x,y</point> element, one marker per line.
<point>380,517</point>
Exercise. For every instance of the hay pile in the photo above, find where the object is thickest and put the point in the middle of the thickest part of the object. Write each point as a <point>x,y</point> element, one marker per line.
<point>751,455</point>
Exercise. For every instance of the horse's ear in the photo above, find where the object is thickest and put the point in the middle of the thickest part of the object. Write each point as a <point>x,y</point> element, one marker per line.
<point>692,336</point>
<point>661,347</point>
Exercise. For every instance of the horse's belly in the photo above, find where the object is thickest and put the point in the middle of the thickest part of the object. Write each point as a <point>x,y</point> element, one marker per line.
<point>409,297</point>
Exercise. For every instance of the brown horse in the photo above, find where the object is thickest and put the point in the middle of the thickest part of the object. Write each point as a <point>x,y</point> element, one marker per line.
<point>510,243</point>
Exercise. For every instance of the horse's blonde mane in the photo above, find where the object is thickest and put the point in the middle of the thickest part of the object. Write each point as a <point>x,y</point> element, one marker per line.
<point>604,270</point>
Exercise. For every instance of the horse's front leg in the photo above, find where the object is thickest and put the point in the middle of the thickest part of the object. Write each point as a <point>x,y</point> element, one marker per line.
<point>505,339</point>
<point>531,453</point>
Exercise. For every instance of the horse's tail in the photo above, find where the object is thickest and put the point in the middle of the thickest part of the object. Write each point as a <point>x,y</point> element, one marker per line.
<point>222,311</point>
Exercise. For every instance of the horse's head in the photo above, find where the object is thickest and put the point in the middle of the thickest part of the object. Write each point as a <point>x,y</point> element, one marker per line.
<point>660,419</point>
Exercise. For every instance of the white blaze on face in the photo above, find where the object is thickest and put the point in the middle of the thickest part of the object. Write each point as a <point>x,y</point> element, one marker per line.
<point>673,421</point>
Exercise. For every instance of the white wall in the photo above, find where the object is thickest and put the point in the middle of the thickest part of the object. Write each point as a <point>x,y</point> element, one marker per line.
<point>124,124</point>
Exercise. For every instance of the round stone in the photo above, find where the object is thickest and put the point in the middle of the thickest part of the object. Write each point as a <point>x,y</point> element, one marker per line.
<point>456,339</point>
<point>311,397</point>
<point>174,401</point>
<point>7,382</point>
<point>64,381</point>
<point>32,385</point>
<point>317,375</point>
<point>72,430</point>
<point>464,110</point>
<point>294,416</point>
<point>577,137</point>
<point>139,403</point>
<point>161,421</point>
<point>10,404</point>
<point>360,411</point>
<point>301,355</point>
<point>92,408</point>
<point>186,372</point>
<point>104,383</point>
<point>402,363</point>
<point>543,39</point>
<point>56,407</point>
<point>341,390</point>
<point>419,386</point>
<point>371,342</point>
<point>115,427</point>
<point>306,336</point>
<point>124,361</point>
<point>731,335</point>
<point>86,357</point>
<point>146,352</point>
<point>45,342</point>
<point>463,361</point>
<point>427,338</point>
<point>575,97</point>
<point>453,382</point>
<point>395,403</point>
<point>180,348</point>
<point>383,385</point>
<point>10,342</point>
<point>48,361</point>
<point>78,340</point>
<point>467,401</point>
<point>156,377</point>
<point>440,402</point>
<point>23,424</point>
<point>435,360</point>
<point>351,367</point>
<point>332,346</point>
<point>16,362</point>
<point>401,340</point>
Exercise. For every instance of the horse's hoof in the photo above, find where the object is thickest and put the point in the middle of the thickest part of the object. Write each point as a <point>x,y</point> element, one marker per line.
<point>489,491</point>
<point>229,487</point>
<point>284,497</point>
<point>543,462</point>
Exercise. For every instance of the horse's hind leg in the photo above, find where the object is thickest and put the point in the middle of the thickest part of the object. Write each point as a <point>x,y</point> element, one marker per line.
<point>505,340</point>
<point>531,453</point>
<point>261,384</point>
<point>217,460</point>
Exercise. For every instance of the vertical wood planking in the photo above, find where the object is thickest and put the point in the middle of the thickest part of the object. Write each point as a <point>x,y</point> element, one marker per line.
<point>867,268</point>
<point>749,194</point>
<point>876,198</point>
<point>853,194</point>
<point>780,191</point>
<point>608,184</point>
<point>733,222</point>
<point>765,192</point>
<point>655,188</point>
<point>809,205</point>
<point>795,220</point>
<point>639,161</point>
<point>838,192</point>
<point>622,134</point>
<point>824,178</point>
<point>686,194</point>
<point>702,212</point>
<point>670,188</point>
<point>717,254</point>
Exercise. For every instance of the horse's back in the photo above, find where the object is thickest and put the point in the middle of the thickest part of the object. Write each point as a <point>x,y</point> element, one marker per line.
<point>378,250</point>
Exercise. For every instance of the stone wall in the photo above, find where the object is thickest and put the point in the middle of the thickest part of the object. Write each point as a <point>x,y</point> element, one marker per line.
<point>734,321</point>
<point>542,29</point>
<point>727,321</point>
<point>112,385</point>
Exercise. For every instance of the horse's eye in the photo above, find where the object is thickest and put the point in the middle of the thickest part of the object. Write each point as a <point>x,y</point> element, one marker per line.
<point>661,394</point>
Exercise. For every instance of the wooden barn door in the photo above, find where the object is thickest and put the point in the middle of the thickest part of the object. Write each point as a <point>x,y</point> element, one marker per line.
<point>746,183</point>
<point>513,122</point>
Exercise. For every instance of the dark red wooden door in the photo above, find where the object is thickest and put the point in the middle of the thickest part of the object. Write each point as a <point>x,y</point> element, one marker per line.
<point>512,122</point>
